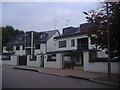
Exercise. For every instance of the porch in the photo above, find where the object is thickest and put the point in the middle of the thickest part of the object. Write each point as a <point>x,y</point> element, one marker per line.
<point>71,57</point>
<point>75,57</point>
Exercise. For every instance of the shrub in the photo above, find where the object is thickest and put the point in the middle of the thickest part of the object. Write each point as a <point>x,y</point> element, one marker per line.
<point>68,64</point>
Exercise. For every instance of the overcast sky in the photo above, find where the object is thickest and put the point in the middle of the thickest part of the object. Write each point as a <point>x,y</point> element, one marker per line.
<point>41,16</point>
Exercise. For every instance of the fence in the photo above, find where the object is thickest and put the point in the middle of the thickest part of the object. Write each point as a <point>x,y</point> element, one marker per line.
<point>34,61</point>
<point>10,60</point>
<point>100,66</point>
<point>53,63</point>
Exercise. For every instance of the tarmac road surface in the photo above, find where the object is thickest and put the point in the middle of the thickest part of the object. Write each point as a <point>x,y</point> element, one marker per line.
<point>14,78</point>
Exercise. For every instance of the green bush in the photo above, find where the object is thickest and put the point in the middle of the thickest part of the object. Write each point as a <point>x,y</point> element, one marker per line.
<point>68,64</point>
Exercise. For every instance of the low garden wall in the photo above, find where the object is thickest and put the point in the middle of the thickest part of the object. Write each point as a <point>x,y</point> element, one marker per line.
<point>35,62</point>
<point>10,60</point>
<point>100,66</point>
<point>57,63</point>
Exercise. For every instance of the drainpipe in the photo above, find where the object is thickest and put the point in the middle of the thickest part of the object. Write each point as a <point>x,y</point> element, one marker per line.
<point>32,43</point>
<point>25,43</point>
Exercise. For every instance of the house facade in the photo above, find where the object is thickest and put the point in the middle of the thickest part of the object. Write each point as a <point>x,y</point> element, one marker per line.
<point>33,43</point>
<point>52,49</point>
<point>71,46</point>
<point>31,46</point>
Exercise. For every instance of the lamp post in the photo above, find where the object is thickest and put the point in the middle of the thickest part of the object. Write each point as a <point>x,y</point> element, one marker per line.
<point>109,58</point>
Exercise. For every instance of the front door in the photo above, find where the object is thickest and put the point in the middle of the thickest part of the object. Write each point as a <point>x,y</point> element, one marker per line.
<point>79,59</point>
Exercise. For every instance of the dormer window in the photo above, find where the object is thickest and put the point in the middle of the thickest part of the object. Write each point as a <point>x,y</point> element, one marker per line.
<point>20,38</point>
<point>42,35</point>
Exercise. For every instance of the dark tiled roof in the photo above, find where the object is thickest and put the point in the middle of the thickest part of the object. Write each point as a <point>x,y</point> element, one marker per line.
<point>69,30</point>
<point>48,35</point>
<point>72,34</point>
<point>14,40</point>
<point>72,31</point>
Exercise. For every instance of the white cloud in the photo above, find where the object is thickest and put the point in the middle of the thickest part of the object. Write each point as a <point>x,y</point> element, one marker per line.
<point>41,16</point>
<point>50,0</point>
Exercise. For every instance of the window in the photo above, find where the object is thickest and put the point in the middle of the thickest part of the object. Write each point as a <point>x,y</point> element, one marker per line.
<point>42,35</point>
<point>20,38</point>
<point>37,46</point>
<point>23,47</point>
<point>51,57</point>
<point>6,57</point>
<point>83,44</point>
<point>73,42</point>
<point>62,44</point>
<point>17,47</point>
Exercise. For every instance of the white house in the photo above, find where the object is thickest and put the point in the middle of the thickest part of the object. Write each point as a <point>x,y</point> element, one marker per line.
<point>32,43</point>
<point>71,46</point>
<point>74,45</point>
<point>49,49</point>
<point>42,42</point>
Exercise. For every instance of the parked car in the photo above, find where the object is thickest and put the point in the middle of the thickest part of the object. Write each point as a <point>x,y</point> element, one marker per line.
<point>117,58</point>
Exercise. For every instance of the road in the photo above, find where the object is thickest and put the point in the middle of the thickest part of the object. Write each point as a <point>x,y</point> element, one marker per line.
<point>13,78</point>
<point>0,77</point>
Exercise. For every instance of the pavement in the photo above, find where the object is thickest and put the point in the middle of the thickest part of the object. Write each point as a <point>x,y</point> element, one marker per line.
<point>78,74</point>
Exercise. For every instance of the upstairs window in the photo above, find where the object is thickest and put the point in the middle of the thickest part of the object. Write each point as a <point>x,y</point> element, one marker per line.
<point>83,44</point>
<point>17,47</point>
<point>20,38</point>
<point>51,57</point>
<point>62,44</point>
<point>37,46</point>
<point>42,35</point>
<point>73,42</point>
<point>23,47</point>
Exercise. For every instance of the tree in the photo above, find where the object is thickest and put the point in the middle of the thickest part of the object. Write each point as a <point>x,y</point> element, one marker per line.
<point>8,32</point>
<point>9,48</point>
<point>98,30</point>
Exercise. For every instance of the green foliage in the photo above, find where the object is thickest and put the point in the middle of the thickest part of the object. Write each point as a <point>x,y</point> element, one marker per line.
<point>9,47</point>
<point>68,64</point>
<point>99,31</point>
<point>8,32</point>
